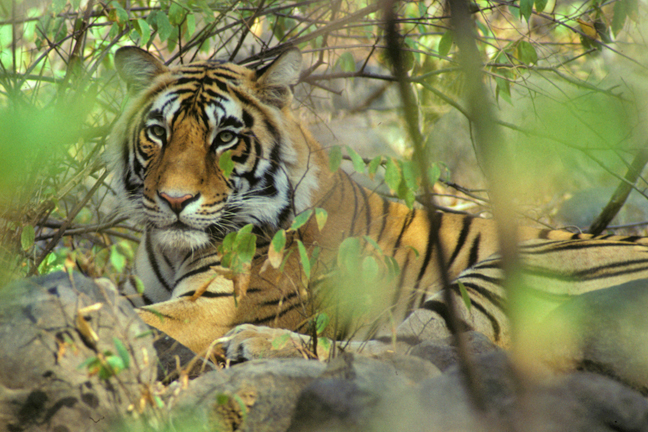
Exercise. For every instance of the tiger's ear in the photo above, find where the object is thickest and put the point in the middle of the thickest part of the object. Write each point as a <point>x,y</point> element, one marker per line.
<point>137,68</point>
<point>275,79</point>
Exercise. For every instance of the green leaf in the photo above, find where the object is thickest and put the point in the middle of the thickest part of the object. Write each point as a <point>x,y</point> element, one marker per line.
<point>246,229</point>
<point>321,322</point>
<point>373,166</point>
<point>314,256</point>
<point>540,5</point>
<point>208,14</point>
<point>503,89</point>
<point>117,260</point>
<point>373,243</point>
<point>409,172</point>
<point>139,285</point>
<point>392,175</point>
<point>370,269</point>
<point>122,351</point>
<point>335,158</point>
<point>527,53</point>
<point>176,14</point>
<point>191,24</point>
<point>301,219</point>
<point>320,216</point>
<point>279,240</point>
<point>226,164</point>
<point>464,295</point>
<point>413,249</point>
<point>346,62</point>
<point>349,254</point>
<point>154,312</point>
<point>303,257</point>
<point>358,163</point>
<point>445,43</point>
<point>434,173</point>
<point>89,363</point>
<point>117,365</point>
<point>164,27</point>
<point>57,6</point>
<point>526,7</point>
<point>620,14</point>
<point>245,247</point>
<point>118,14</point>
<point>158,401</point>
<point>144,31</point>
<point>27,237</point>
<point>392,266</point>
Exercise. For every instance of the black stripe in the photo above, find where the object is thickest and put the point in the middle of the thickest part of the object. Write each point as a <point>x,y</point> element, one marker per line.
<point>441,309</point>
<point>355,207</point>
<point>272,317</point>
<point>385,211</point>
<point>463,235</point>
<point>199,270</point>
<point>399,287</point>
<point>589,273</point>
<point>408,220</point>
<point>248,119</point>
<point>483,277</point>
<point>575,245</point>
<point>150,253</point>
<point>493,298</point>
<point>429,248</point>
<point>279,300</point>
<point>367,209</point>
<point>207,294</point>
<point>474,251</point>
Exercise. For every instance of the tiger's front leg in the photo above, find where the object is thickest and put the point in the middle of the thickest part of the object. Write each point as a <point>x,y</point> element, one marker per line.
<point>197,319</point>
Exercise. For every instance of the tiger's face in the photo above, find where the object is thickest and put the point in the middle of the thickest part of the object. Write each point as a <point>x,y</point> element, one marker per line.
<point>175,131</point>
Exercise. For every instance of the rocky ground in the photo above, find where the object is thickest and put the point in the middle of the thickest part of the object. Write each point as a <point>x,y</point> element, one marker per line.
<point>67,364</point>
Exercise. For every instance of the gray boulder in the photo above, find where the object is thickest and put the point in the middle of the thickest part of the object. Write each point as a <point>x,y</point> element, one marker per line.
<point>59,354</point>
<point>580,401</point>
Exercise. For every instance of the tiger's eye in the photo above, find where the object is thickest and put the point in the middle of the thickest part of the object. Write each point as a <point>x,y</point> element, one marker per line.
<point>157,131</point>
<point>226,137</point>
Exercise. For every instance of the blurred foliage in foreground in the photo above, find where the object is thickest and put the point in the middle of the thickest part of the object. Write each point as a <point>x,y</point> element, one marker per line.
<point>553,67</point>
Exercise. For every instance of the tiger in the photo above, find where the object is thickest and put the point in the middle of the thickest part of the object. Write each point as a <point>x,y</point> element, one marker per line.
<point>168,144</point>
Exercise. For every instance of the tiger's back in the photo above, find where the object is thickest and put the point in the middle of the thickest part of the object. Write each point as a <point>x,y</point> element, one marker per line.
<point>179,127</point>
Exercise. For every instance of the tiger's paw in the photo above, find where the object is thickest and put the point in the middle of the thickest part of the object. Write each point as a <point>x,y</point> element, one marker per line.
<point>249,342</point>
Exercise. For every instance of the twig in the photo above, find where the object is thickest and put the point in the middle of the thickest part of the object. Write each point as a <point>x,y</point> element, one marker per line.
<point>411,118</point>
<point>68,221</point>
<point>620,194</point>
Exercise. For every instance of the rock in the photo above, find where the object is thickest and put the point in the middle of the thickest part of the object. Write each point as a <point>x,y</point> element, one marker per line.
<point>443,353</point>
<point>601,331</point>
<point>257,396</point>
<point>44,383</point>
<point>577,402</point>
<point>582,402</point>
<point>346,394</point>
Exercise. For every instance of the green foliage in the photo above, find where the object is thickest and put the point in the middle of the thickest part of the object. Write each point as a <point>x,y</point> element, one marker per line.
<point>108,364</point>
<point>59,97</point>
<point>445,43</point>
<point>226,164</point>
<point>238,249</point>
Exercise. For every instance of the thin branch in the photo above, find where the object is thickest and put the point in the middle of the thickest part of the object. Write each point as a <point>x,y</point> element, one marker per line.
<point>621,193</point>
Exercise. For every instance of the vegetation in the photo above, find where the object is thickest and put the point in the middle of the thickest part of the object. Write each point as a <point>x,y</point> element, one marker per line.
<point>565,76</point>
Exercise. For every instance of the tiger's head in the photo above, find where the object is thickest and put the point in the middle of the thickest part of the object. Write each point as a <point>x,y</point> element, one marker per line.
<point>179,122</point>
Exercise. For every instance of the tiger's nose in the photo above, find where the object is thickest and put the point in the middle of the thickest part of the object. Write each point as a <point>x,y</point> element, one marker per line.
<point>178,203</point>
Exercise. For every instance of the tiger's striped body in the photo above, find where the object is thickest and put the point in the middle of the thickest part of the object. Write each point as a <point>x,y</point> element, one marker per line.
<point>170,142</point>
